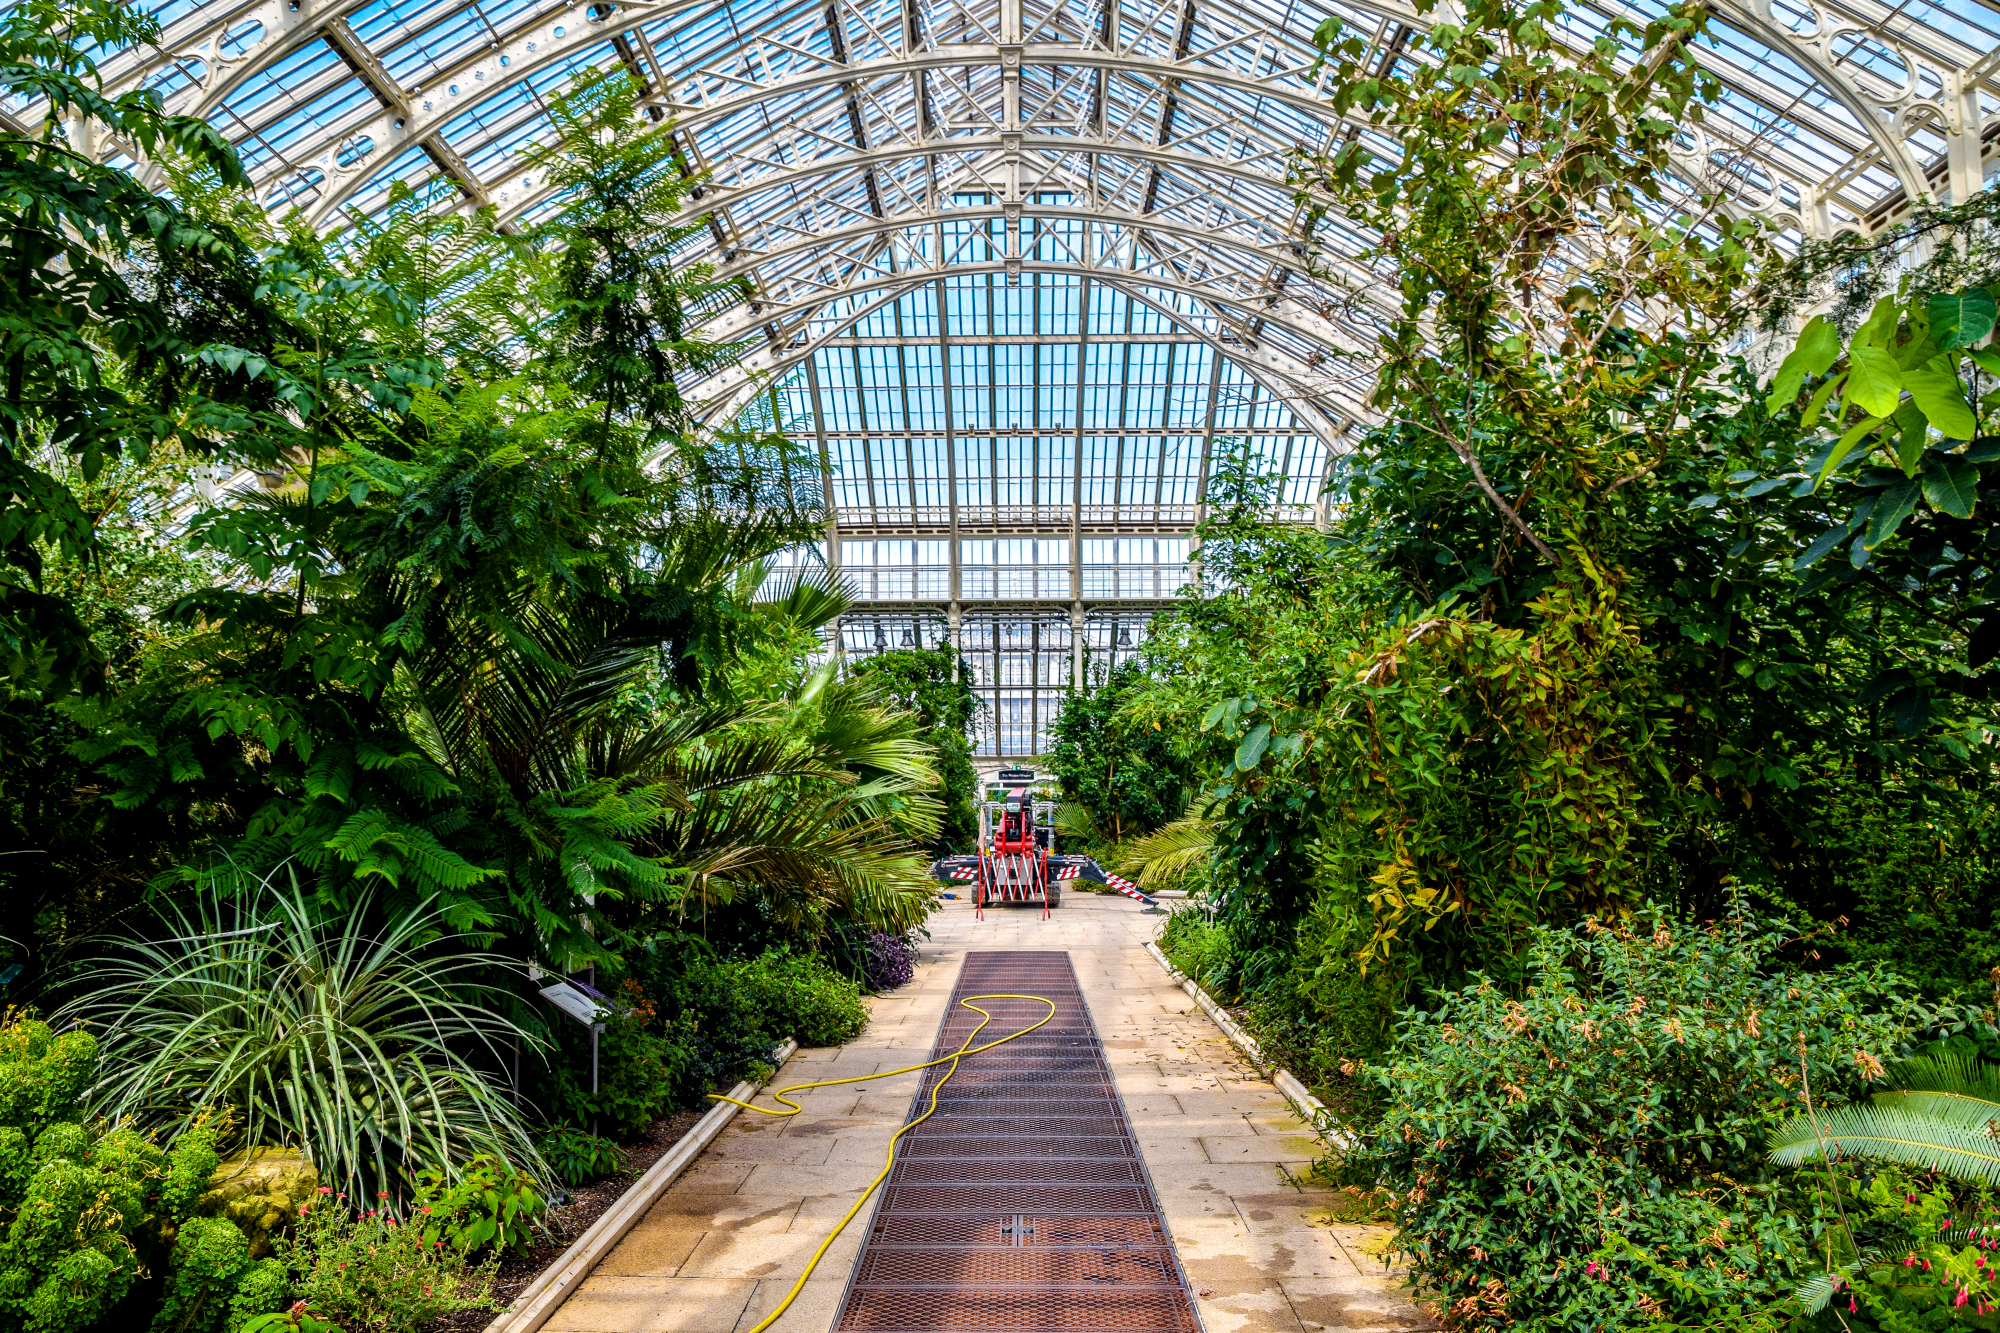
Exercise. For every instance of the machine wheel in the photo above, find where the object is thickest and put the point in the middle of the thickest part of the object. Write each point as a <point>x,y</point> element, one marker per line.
<point>1055,897</point>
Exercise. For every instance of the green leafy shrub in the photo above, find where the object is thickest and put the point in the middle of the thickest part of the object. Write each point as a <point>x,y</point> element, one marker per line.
<point>1925,1260</point>
<point>1198,947</point>
<point>370,1271</point>
<point>356,1042</point>
<point>1589,1156</point>
<point>489,1205</point>
<point>576,1158</point>
<point>801,997</point>
<point>90,1210</point>
<point>737,1011</point>
<point>212,1283</point>
<point>641,1059</point>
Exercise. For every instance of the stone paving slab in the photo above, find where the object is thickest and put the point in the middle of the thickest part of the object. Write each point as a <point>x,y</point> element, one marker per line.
<point>727,1240</point>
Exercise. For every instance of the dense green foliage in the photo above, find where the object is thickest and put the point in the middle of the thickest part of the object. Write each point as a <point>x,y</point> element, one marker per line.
<point>1607,614</point>
<point>1544,1148</point>
<point>380,641</point>
<point>1121,770</point>
<point>686,1021</point>
<point>928,683</point>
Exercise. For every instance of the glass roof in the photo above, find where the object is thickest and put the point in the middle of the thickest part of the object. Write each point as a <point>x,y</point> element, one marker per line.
<point>1020,264</point>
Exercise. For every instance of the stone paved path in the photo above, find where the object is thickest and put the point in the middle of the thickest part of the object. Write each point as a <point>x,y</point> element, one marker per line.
<point>725,1243</point>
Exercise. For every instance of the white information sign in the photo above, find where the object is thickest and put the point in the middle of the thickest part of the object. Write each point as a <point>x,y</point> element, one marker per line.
<point>575,1003</point>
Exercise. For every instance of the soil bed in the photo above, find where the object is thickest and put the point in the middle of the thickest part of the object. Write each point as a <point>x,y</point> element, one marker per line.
<point>570,1220</point>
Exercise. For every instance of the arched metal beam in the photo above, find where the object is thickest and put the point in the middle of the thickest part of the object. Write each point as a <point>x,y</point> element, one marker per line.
<point>1756,18</point>
<point>1306,390</point>
<point>289,24</point>
<point>740,191</point>
<point>1311,327</point>
<point>540,47</point>
<point>1287,313</point>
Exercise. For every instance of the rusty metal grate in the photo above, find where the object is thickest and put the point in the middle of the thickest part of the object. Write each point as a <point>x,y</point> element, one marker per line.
<point>1022,1206</point>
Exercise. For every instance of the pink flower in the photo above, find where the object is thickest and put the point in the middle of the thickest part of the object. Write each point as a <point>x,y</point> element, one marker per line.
<point>326,1189</point>
<point>1955,1304</point>
<point>424,1210</point>
<point>302,1209</point>
<point>382,1194</point>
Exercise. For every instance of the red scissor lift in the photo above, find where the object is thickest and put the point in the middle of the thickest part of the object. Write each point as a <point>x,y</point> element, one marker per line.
<point>1017,863</point>
<point>1014,855</point>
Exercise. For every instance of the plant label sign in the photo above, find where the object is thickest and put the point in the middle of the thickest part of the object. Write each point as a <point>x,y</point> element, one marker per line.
<point>575,1003</point>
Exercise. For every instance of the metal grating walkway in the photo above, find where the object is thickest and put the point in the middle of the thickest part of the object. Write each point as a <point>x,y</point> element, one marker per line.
<point>1022,1206</point>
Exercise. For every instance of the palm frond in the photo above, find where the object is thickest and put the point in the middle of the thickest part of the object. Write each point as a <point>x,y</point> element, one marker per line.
<point>1956,1089</point>
<point>806,597</point>
<point>1075,822</point>
<point>1893,1134</point>
<point>1163,859</point>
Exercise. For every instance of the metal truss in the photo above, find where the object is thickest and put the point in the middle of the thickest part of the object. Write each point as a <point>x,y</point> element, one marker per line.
<point>851,151</point>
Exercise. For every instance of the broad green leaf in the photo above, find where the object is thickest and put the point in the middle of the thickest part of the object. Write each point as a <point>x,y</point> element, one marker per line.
<point>1845,445</point>
<point>1962,318</point>
<point>1895,504</point>
<point>1818,347</point>
<point>1874,380</point>
<point>1817,403</point>
<point>1253,746</point>
<point>1817,551</point>
<point>1880,325</point>
<point>1936,389</point>
<point>1988,359</point>
<point>1951,484</point>
<point>1910,710</point>
<point>1913,436</point>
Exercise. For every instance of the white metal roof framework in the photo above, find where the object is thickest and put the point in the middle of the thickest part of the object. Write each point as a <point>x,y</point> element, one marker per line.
<point>1019,264</point>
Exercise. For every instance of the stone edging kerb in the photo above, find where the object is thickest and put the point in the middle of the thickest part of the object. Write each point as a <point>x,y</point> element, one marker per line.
<point>1310,1108</point>
<point>545,1295</point>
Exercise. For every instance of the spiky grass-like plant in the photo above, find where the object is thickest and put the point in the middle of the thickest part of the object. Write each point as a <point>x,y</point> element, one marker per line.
<point>361,1043</point>
<point>1937,1114</point>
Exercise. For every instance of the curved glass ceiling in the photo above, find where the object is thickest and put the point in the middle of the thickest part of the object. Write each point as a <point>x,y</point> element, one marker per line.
<point>1019,265</point>
<point>1023,260</point>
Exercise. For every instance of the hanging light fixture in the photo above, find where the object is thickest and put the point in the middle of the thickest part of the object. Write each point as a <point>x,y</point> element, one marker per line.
<point>1125,637</point>
<point>881,640</point>
<point>908,641</point>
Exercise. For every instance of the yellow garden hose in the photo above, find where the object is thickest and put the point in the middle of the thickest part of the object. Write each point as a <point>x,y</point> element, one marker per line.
<point>967,1048</point>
